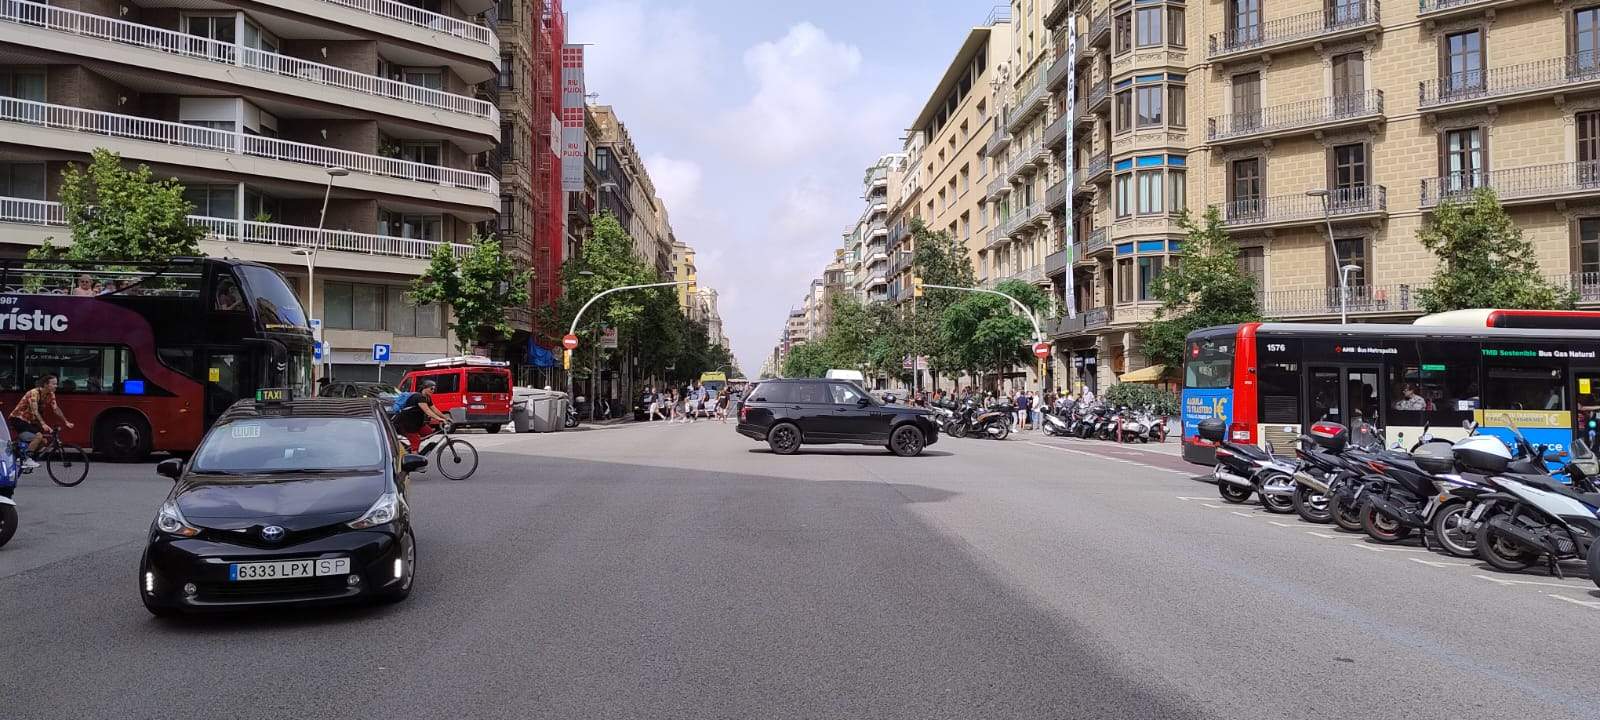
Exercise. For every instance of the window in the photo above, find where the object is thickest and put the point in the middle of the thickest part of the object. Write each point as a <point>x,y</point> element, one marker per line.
<point>23,180</point>
<point>1280,392</point>
<point>1584,37</point>
<point>1463,159</point>
<point>212,27</point>
<point>1349,171</point>
<point>1352,251</point>
<point>602,159</point>
<point>1253,261</point>
<point>487,382</point>
<point>426,153</point>
<point>1589,250</point>
<point>508,214</point>
<point>1148,22</point>
<point>411,320</point>
<point>1150,186</point>
<point>80,368</point>
<point>508,141</point>
<point>445,382</point>
<point>1122,31</point>
<point>1342,12</point>
<point>1124,111</point>
<point>1177,191</point>
<point>507,9</point>
<point>965,179</point>
<point>1176,97</point>
<point>1148,102</point>
<point>1124,195</point>
<point>350,306</point>
<point>1244,188</point>
<point>420,227</point>
<point>1149,268</point>
<point>507,72</point>
<point>23,84</point>
<point>1246,101</point>
<point>1463,62</point>
<point>1439,388</point>
<point>844,394</point>
<point>423,77</point>
<point>218,201</point>
<point>1175,25</point>
<point>1525,388</point>
<point>1349,82</point>
<point>1124,281</point>
<point>1244,22</point>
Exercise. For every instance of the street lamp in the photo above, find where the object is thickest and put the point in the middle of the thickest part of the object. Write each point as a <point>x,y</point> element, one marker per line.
<point>571,387</point>
<point>1333,251</point>
<point>1344,291</point>
<point>310,254</point>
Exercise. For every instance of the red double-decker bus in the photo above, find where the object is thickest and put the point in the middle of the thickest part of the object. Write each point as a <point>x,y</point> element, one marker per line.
<point>148,355</point>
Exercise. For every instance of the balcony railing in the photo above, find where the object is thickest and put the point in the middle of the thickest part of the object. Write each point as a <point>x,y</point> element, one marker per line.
<point>1056,132</point>
<point>1293,116</point>
<point>1099,93</point>
<point>1096,318</point>
<point>998,141</point>
<point>1523,183</point>
<point>1362,299</point>
<point>1055,196</point>
<point>1294,28</point>
<point>1056,77</point>
<point>999,186</point>
<point>877,227</point>
<point>1584,285</point>
<point>423,19</point>
<point>61,117</point>
<point>175,43</point>
<point>1021,218</point>
<point>1426,8</point>
<point>1026,157</point>
<point>1098,167</point>
<point>1098,241</point>
<point>1494,83</point>
<point>1056,263</point>
<point>1100,27</point>
<point>1030,274</point>
<point>1029,101</point>
<point>40,212</point>
<point>1063,326</point>
<point>1282,209</point>
<point>997,234</point>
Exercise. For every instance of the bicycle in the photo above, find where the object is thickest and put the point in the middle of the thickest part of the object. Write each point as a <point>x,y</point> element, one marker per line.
<point>450,454</point>
<point>66,464</point>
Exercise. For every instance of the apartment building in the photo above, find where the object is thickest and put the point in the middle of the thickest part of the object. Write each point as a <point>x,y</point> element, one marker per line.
<point>1020,228</point>
<point>259,109</point>
<point>711,316</point>
<point>871,233</point>
<point>683,269</point>
<point>626,190</point>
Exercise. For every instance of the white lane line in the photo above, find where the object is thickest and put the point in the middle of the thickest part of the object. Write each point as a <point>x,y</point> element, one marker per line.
<point>1113,459</point>
<point>1503,581</point>
<point>1185,497</point>
<point>1243,515</point>
<point>1586,603</point>
<point>1279,524</point>
<point>1214,507</point>
<point>1408,549</point>
<point>1439,563</point>
<point>1324,536</point>
<point>1368,548</point>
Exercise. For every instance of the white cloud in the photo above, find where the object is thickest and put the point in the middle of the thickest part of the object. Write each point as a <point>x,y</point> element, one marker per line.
<point>651,62</point>
<point>796,106</point>
<point>677,182</point>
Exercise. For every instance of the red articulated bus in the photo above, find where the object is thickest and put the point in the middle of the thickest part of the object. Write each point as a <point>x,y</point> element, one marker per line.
<point>148,354</point>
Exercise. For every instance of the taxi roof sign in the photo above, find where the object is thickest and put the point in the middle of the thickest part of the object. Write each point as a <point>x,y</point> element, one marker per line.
<point>274,395</point>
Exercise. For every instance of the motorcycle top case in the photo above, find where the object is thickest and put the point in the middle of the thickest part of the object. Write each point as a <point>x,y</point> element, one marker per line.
<point>1482,453</point>
<point>1437,457</point>
<point>1332,436</point>
<point>1212,429</point>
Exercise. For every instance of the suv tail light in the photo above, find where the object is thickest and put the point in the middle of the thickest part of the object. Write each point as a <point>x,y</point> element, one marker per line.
<point>744,412</point>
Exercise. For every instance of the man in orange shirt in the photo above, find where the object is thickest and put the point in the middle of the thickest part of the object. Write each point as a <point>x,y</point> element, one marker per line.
<point>28,416</point>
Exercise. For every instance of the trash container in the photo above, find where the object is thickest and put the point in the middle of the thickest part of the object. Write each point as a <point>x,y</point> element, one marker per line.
<point>519,417</point>
<point>542,412</point>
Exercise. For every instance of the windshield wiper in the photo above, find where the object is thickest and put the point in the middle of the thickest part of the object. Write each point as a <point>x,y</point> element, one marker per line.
<point>311,471</point>
<point>225,473</point>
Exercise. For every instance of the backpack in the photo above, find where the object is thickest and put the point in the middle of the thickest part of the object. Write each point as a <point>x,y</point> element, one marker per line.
<point>400,402</point>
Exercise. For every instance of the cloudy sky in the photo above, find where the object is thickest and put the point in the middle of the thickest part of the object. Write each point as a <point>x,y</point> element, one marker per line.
<point>756,119</point>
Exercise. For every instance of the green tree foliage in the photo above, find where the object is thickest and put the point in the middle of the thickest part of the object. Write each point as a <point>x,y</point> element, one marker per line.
<point>985,333</point>
<point>607,261</point>
<point>1141,395</point>
<point>124,214</point>
<point>1207,287</point>
<point>478,287</point>
<point>806,360</point>
<point>939,259</point>
<point>1484,262</point>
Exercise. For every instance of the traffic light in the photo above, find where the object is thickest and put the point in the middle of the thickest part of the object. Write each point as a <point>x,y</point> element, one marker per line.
<point>916,286</point>
<point>566,359</point>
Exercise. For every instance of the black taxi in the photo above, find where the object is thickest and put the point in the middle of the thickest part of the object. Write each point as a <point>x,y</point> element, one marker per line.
<point>285,502</point>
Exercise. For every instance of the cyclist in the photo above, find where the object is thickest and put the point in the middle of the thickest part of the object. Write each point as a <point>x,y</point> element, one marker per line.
<point>417,414</point>
<point>28,416</point>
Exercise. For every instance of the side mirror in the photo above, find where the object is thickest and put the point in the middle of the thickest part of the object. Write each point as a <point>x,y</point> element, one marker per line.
<point>412,463</point>
<point>170,467</point>
<point>862,402</point>
<point>1555,456</point>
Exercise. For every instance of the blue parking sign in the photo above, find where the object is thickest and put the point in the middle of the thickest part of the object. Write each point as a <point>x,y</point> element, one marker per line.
<point>316,351</point>
<point>380,353</point>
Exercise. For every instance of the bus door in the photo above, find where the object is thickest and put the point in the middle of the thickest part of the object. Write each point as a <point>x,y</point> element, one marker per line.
<point>1343,392</point>
<point>227,376</point>
<point>1586,418</point>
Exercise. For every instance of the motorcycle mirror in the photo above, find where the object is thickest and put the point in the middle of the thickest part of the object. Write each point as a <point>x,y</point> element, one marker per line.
<point>1555,456</point>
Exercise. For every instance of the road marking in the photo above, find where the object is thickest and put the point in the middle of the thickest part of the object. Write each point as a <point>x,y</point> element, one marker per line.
<point>1279,524</point>
<point>1439,563</point>
<point>1215,507</point>
<point>1243,515</point>
<point>1503,581</point>
<point>1575,601</point>
<point>1409,550</point>
<point>1111,458</point>
<point>1366,547</point>
<point>1325,536</point>
<point>1185,497</point>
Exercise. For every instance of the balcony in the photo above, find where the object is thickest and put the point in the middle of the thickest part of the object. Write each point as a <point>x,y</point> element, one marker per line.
<point>1287,33</point>
<point>877,281</point>
<point>1055,134</point>
<point>1094,318</point>
<point>1584,285</point>
<point>999,140</point>
<point>92,122</point>
<point>1433,10</point>
<point>1511,83</point>
<point>1099,168</point>
<point>1099,241</point>
<point>1300,209</point>
<point>1030,274</point>
<point>1518,186</point>
<point>70,23</point>
<point>1362,300</point>
<point>879,177</point>
<point>1026,159</point>
<point>417,17</point>
<point>996,235</point>
<point>20,211</point>
<point>1055,196</point>
<point>1100,29</point>
<point>1000,186</point>
<point>1061,327</point>
<point>1021,219</point>
<point>1029,102</point>
<point>876,228</point>
<point>1099,95</point>
<point>1086,52</point>
<point>877,258</point>
<point>1056,77</point>
<point>898,234</point>
<point>1059,10</point>
<point>1056,263</point>
<point>1298,117</point>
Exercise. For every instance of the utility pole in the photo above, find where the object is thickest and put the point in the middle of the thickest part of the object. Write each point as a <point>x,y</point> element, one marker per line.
<point>1038,332</point>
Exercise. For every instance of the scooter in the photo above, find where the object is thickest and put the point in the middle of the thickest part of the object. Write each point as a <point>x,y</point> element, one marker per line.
<point>1532,516</point>
<point>10,470</point>
<point>1055,425</point>
<point>993,422</point>
<point>1245,469</point>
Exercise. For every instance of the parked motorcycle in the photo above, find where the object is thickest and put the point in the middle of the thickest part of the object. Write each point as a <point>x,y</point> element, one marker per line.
<point>1532,517</point>
<point>1244,469</point>
<point>993,422</point>
<point>1054,424</point>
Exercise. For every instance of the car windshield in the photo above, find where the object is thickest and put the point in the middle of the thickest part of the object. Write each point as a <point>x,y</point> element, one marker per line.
<point>289,444</point>
<point>375,390</point>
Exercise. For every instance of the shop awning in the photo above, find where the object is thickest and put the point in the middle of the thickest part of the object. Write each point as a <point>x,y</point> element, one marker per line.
<point>1151,374</point>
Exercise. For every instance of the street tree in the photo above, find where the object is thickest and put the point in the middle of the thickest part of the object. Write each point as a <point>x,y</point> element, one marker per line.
<point>1484,261</point>
<point>114,212</point>
<point>606,261</point>
<point>806,360</point>
<point>479,286</point>
<point>1206,287</point>
<point>986,334</point>
<point>938,259</point>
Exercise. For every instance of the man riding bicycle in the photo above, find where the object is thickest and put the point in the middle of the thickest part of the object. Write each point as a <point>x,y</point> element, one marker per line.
<point>417,414</point>
<point>28,416</point>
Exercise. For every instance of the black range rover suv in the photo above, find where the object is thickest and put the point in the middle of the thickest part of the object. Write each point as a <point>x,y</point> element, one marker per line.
<point>790,413</point>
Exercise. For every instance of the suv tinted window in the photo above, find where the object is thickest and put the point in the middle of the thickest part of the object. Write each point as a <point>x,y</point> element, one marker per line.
<point>811,393</point>
<point>844,394</point>
<point>770,392</point>
<point>486,382</point>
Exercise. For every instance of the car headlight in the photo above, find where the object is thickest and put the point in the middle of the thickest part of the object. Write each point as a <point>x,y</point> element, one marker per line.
<point>171,522</point>
<point>384,511</point>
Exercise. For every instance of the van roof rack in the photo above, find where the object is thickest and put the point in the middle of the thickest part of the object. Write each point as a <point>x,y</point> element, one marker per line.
<point>478,360</point>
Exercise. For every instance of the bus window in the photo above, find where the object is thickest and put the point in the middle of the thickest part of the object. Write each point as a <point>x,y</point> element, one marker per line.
<point>1428,393</point>
<point>1326,398</point>
<point>1363,388</point>
<point>1280,393</point>
<point>81,369</point>
<point>1208,373</point>
<point>1519,388</point>
<point>8,368</point>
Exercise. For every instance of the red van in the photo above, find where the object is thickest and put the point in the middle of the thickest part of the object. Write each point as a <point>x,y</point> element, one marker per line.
<point>479,386</point>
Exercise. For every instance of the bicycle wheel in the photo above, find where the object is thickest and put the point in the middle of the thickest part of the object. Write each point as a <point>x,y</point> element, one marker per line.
<point>457,459</point>
<point>68,465</point>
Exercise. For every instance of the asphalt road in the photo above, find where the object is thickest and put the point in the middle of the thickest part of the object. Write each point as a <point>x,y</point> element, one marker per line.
<point>684,572</point>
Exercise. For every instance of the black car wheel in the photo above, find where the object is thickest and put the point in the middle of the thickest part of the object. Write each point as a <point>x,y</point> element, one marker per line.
<point>8,522</point>
<point>409,553</point>
<point>493,428</point>
<point>784,438</point>
<point>906,441</point>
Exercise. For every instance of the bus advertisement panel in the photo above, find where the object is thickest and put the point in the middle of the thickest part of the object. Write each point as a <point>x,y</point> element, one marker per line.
<point>1208,384</point>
